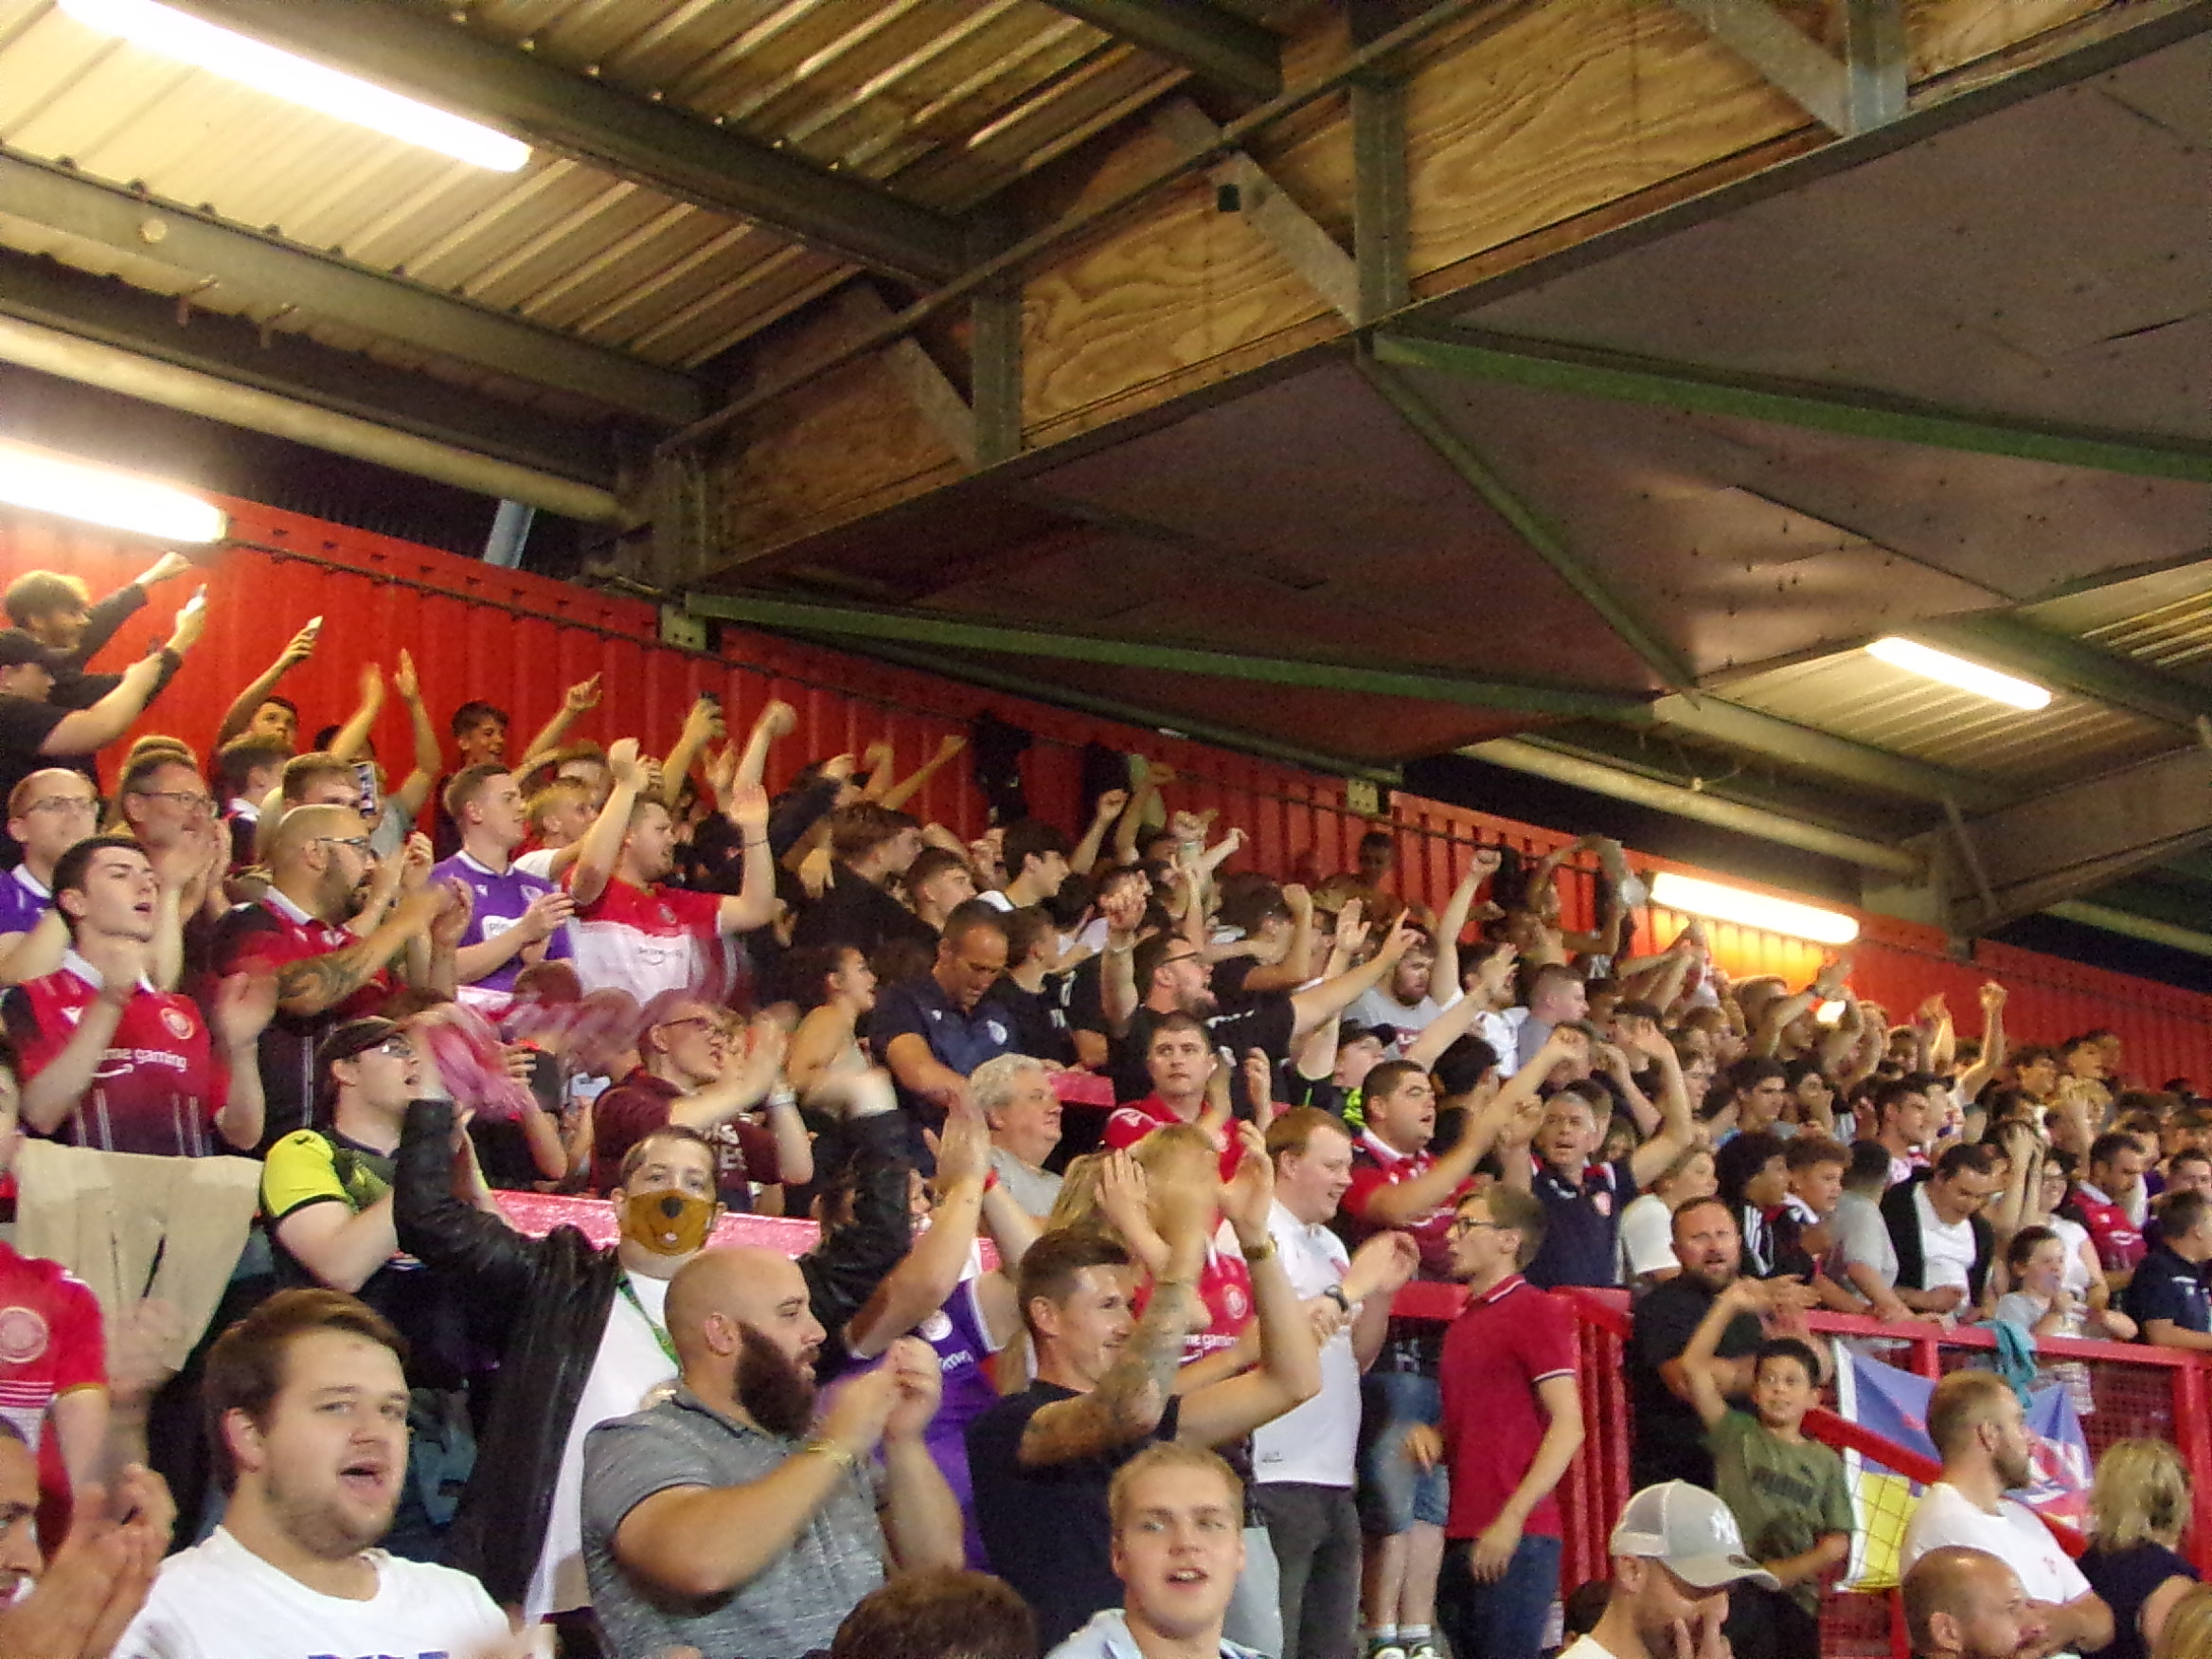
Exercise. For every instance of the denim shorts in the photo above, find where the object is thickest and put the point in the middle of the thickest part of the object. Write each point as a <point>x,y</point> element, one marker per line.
<point>1393,1493</point>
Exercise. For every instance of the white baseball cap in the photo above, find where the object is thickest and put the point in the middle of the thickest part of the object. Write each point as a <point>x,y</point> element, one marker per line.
<point>1693,1533</point>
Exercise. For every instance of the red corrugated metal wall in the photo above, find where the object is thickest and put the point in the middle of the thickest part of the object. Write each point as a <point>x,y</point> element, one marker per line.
<point>520,640</point>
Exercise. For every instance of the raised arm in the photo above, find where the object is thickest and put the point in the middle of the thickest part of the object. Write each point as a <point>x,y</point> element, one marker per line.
<point>581,700</point>
<point>601,848</point>
<point>703,725</point>
<point>1480,868</point>
<point>1325,1001</point>
<point>244,1003</point>
<point>1085,856</point>
<point>429,757</point>
<point>1297,964</point>
<point>362,722</point>
<point>1706,1376</point>
<point>85,730</point>
<point>897,794</point>
<point>923,1283</point>
<point>754,904</point>
<point>1676,1128</point>
<point>241,713</point>
<point>314,984</point>
<point>1118,992</point>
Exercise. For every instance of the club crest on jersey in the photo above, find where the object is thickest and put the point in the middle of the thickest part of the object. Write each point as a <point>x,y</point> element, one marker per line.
<point>23,1335</point>
<point>1233,1299</point>
<point>936,1328</point>
<point>1601,1201</point>
<point>177,1023</point>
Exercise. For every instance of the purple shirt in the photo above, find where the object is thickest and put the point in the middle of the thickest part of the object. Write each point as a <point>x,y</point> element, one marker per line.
<point>22,901</point>
<point>499,901</point>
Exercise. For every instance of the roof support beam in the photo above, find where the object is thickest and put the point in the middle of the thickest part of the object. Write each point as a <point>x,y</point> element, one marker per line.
<point>954,667</point>
<point>963,634</point>
<point>1457,453</point>
<point>2072,840</point>
<point>1215,45</point>
<point>1851,411</point>
<point>337,290</point>
<point>152,326</point>
<point>1863,91</point>
<point>2073,664</point>
<point>2128,925</point>
<point>1382,203</point>
<point>932,391</point>
<point>1718,720</point>
<point>418,52</point>
<point>1539,759</point>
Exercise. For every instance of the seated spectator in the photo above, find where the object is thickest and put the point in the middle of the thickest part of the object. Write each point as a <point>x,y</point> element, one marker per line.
<point>1981,1433</point>
<point>579,1329</point>
<point>515,918</point>
<point>1176,1516</point>
<point>870,846</point>
<point>306,1406</point>
<point>2167,1294</point>
<point>1647,1226</point>
<point>1787,1493</point>
<point>931,1031</point>
<point>1676,1555</point>
<point>49,812</point>
<point>1015,1096</point>
<point>1943,1242</point>
<point>938,1612</point>
<point>1043,1458</point>
<point>1667,1440</point>
<point>2100,1202</point>
<point>632,933</point>
<point>724,1517</point>
<point>110,1061</point>
<point>2139,1507</point>
<point>690,1077</point>
<point>1512,1424</point>
<point>1968,1604</point>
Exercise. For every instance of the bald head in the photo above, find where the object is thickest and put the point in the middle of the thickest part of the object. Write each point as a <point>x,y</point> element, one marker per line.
<point>1964,1602</point>
<point>717,1291</point>
<point>304,828</point>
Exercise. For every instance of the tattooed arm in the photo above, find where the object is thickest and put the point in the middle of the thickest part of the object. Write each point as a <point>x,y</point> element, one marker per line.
<point>317,983</point>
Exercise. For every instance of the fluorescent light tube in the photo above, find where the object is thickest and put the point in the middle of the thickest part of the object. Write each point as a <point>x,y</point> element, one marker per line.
<point>1930,663</point>
<point>1694,896</point>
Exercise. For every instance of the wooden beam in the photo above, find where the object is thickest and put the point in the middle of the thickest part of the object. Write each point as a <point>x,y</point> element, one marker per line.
<point>932,390</point>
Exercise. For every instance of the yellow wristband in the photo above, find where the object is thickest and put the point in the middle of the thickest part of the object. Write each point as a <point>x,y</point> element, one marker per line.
<point>836,1453</point>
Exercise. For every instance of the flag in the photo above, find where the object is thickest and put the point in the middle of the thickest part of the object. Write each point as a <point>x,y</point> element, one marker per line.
<point>1894,1404</point>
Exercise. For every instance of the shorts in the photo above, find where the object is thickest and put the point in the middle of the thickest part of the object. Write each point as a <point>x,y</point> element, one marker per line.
<point>1394,1494</point>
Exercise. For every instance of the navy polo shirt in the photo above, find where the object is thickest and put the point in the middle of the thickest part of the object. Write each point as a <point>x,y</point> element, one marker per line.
<point>2165,1287</point>
<point>919,1007</point>
<point>1582,1237</point>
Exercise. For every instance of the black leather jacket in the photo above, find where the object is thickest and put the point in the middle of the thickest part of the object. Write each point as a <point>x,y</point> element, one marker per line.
<point>542,1305</point>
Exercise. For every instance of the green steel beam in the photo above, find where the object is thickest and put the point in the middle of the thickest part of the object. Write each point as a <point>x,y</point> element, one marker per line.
<point>630,134</point>
<point>1114,708</point>
<point>962,633</point>
<point>1457,453</point>
<point>2071,664</point>
<point>2128,925</point>
<point>1850,411</point>
<point>1718,720</point>
<point>1214,43</point>
<point>337,290</point>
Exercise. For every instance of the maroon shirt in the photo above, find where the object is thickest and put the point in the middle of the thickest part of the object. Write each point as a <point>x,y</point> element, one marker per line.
<point>639,1105</point>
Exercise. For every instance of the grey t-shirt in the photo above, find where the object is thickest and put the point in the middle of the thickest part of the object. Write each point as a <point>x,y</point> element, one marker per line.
<point>1863,1233</point>
<point>793,1606</point>
<point>1035,1190</point>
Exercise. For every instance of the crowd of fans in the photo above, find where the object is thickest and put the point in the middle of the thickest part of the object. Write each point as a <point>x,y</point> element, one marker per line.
<point>1121,1155</point>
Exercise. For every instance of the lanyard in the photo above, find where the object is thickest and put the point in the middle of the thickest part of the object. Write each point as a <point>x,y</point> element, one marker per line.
<point>659,1333</point>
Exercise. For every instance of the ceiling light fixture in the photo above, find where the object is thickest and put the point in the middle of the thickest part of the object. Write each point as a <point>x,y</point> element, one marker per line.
<point>1915,658</point>
<point>1693,897</point>
<point>45,482</point>
<point>177,35</point>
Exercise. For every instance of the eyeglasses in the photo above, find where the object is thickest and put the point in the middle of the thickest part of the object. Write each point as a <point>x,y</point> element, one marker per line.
<point>76,806</point>
<point>359,843</point>
<point>686,1020</point>
<point>397,1047</point>
<point>1465,1224</point>
<point>189,801</point>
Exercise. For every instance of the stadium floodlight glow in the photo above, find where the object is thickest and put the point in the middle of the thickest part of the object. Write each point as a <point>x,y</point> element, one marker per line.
<point>46,482</point>
<point>1930,663</point>
<point>1693,897</point>
<point>184,39</point>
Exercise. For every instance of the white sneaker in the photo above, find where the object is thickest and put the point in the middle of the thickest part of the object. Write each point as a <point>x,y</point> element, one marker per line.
<point>1390,1650</point>
<point>1422,1650</point>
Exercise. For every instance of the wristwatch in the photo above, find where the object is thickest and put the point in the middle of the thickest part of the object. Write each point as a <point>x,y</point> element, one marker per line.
<point>1336,1294</point>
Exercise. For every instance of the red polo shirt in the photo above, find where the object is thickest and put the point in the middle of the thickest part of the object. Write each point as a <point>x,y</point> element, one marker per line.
<point>1130,1123</point>
<point>2119,1244</point>
<point>1376,1164</point>
<point>1501,1347</point>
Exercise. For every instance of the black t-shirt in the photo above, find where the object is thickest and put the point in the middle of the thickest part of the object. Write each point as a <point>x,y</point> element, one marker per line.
<point>1667,1440</point>
<point>856,913</point>
<point>1046,1529</point>
<point>2123,1579</point>
<point>1035,1015</point>
<point>1267,1026</point>
<point>24,724</point>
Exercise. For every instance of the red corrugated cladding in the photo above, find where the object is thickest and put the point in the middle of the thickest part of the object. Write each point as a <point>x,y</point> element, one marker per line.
<point>519,640</point>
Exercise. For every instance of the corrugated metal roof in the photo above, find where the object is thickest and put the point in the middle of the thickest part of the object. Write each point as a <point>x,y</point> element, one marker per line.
<point>1855,696</point>
<point>944,100</point>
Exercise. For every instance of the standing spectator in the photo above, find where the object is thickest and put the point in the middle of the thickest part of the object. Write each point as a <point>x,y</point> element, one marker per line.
<point>169,809</point>
<point>1556,997</point>
<point>931,1031</point>
<point>1968,1604</point>
<point>1176,1516</point>
<point>54,1401</point>
<point>1904,1124</point>
<point>2139,1507</point>
<point>1305,1464</point>
<point>1943,1242</point>
<point>109,1061</point>
<point>1512,1424</point>
<point>1676,1555</point>
<point>1667,1440</point>
<point>870,846</point>
<point>2166,1296</point>
<point>1029,991</point>
<point>1036,856</point>
<point>2100,1202</point>
<point>1647,1226</point>
<point>49,812</point>
<point>257,712</point>
<point>319,876</point>
<point>1787,1493</point>
<point>1754,1174</point>
<point>57,611</point>
<point>246,769</point>
<point>1409,1001</point>
<point>1981,1433</point>
<point>1015,1095</point>
<point>1179,1064</point>
<point>722,1518</point>
<point>557,814</point>
<point>631,933</point>
<point>687,1077</point>
<point>1864,1246</point>
<point>1043,1458</point>
<point>307,1409</point>
<point>515,918</point>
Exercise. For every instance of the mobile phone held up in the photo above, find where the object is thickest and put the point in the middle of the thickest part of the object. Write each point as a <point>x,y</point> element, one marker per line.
<point>373,805</point>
